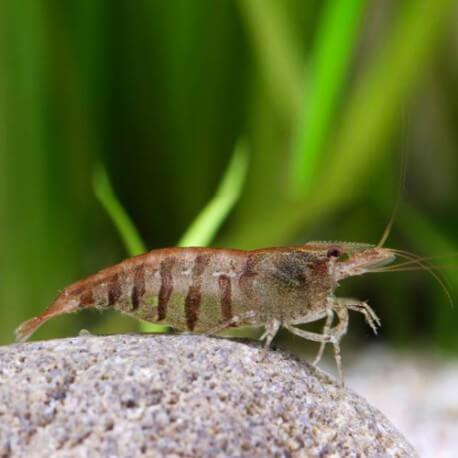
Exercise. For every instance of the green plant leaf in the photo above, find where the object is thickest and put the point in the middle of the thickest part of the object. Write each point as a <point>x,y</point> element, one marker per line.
<point>277,53</point>
<point>204,228</point>
<point>336,40</point>
<point>378,98</point>
<point>107,197</point>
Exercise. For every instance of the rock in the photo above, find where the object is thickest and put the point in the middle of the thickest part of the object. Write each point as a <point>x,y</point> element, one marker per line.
<point>178,395</point>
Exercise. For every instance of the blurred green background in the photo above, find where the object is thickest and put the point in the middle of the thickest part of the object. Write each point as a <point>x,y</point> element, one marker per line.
<point>323,97</point>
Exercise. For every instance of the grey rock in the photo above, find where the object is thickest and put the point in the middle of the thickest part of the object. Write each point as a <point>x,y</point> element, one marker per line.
<point>178,396</point>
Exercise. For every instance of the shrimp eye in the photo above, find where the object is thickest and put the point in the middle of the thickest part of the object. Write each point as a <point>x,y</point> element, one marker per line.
<point>334,252</point>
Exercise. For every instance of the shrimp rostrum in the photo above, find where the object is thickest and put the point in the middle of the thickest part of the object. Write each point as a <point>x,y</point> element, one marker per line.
<point>205,290</point>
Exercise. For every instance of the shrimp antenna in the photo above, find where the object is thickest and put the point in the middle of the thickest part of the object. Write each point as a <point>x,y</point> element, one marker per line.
<point>401,186</point>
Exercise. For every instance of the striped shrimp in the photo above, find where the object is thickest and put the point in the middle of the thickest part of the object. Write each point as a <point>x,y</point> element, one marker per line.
<point>206,290</point>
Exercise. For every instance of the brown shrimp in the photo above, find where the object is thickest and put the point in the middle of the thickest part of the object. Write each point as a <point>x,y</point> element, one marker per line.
<point>206,290</point>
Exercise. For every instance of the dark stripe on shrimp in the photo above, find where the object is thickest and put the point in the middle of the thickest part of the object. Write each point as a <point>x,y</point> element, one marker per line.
<point>166,288</point>
<point>194,296</point>
<point>114,290</point>
<point>248,275</point>
<point>224,283</point>
<point>139,286</point>
<point>87,298</point>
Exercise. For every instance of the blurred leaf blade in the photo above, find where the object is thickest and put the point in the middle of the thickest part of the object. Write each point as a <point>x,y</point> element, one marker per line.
<point>336,41</point>
<point>204,228</point>
<point>276,51</point>
<point>22,101</point>
<point>381,93</point>
<point>121,220</point>
<point>367,122</point>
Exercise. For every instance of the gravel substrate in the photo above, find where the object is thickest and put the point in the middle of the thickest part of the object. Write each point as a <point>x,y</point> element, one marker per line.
<point>418,392</point>
<point>178,396</point>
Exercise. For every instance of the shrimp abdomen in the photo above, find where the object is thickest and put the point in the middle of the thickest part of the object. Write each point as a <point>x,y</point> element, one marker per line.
<point>171,286</point>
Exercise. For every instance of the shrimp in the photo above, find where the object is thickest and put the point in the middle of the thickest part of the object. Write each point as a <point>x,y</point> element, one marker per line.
<point>206,290</point>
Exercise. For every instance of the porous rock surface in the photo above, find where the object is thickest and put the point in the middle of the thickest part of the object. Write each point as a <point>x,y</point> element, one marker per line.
<point>183,396</point>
